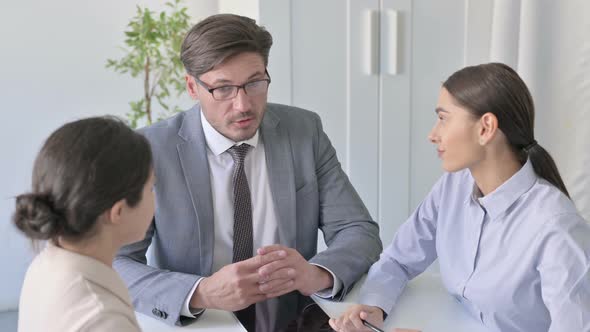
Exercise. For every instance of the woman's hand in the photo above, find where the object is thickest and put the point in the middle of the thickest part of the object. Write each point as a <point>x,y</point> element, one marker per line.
<point>352,319</point>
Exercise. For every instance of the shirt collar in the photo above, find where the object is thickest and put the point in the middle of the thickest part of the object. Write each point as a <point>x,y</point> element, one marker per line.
<point>218,143</point>
<point>499,200</point>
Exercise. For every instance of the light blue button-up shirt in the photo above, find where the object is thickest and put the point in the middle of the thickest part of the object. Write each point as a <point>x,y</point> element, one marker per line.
<point>517,258</point>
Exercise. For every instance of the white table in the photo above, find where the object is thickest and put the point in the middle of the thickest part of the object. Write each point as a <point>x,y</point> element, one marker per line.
<point>424,305</point>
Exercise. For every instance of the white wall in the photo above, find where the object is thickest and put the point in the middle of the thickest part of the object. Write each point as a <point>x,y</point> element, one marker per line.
<point>52,70</point>
<point>555,63</point>
<point>240,7</point>
<point>377,122</point>
<point>548,43</point>
<point>437,51</point>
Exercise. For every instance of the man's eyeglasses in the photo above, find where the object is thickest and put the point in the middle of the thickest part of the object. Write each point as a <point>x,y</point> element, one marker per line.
<point>252,88</point>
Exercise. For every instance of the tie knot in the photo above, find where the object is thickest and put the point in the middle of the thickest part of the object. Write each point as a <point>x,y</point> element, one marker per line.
<point>238,152</point>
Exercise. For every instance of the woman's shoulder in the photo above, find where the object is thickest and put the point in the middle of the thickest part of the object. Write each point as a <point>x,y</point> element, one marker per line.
<point>547,200</point>
<point>91,299</point>
<point>93,304</point>
<point>67,280</point>
<point>91,307</point>
<point>55,280</point>
<point>556,215</point>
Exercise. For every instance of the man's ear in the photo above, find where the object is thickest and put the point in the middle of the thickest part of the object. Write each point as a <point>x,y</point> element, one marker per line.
<point>115,213</point>
<point>191,86</point>
<point>488,127</point>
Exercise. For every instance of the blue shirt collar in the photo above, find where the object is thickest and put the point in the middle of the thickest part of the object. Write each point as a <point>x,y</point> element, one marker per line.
<point>499,200</point>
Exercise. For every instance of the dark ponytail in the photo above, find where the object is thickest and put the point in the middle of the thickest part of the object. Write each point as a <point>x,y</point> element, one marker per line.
<point>545,166</point>
<point>82,170</point>
<point>496,88</point>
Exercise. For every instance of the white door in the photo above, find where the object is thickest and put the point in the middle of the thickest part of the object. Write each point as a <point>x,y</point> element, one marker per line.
<point>372,70</point>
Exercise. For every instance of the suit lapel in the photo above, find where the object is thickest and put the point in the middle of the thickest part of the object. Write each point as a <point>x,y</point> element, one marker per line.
<point>279,164</point>
<point>193,159</point>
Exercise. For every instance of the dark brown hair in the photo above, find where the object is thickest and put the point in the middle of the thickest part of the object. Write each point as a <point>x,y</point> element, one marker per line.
<point>82,170</point>
<point>496,88</point>
<point>219,37</point>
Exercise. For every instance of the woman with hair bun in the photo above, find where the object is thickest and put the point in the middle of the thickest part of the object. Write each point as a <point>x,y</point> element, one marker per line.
<point>92,193</point>
<point>511,246</point>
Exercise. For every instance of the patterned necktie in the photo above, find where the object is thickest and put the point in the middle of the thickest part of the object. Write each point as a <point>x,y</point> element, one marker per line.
<point>243,247</point>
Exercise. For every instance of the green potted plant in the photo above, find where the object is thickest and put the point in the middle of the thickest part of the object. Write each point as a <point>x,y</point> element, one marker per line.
<point>152,52</point>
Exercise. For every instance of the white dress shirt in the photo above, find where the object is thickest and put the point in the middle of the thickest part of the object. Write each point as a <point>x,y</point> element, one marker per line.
<point>264,220</point>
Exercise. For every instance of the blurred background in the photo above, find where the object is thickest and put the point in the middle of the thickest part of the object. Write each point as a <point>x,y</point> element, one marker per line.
<point>372,70</point>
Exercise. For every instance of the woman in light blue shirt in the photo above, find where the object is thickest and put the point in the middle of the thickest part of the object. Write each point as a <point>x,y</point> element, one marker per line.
<point>511,245</point>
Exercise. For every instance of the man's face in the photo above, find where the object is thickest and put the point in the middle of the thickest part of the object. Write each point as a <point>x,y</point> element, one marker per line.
<point>239,117</point>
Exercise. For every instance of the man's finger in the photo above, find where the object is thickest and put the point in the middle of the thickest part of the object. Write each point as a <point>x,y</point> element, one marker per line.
<point>289,287</point>
<point>261,260</point>
<point>268,269</point>
<point>270,248</point>
<point>273,286</point>
<point>246,278</point>
<point>284,273</point>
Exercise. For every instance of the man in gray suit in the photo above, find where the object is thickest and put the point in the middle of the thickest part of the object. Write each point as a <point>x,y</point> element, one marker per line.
<point>242,188</point>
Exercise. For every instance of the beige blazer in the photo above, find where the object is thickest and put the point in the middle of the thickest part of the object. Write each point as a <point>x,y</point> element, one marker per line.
<point>65,291</point>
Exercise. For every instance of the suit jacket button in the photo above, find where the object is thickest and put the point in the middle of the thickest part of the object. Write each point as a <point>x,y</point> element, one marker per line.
<point>156,312</point>
<point>164,314</point>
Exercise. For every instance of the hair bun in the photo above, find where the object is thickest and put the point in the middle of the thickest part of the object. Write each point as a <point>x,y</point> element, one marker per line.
<point>36,216</point>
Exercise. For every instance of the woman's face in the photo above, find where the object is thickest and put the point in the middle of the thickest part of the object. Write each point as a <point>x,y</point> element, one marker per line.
<point>455,134</point>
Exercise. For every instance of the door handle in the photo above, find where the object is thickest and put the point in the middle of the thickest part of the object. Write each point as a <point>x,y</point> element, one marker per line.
<point>371,42</point>
<point>391,40</point>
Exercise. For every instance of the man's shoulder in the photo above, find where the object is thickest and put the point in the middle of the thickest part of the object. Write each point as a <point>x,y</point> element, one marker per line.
<point>164,129</point>
<point>292,116</point>
<point>290,111</point>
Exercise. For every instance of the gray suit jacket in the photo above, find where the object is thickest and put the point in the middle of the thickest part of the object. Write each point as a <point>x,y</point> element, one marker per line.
<point>310,192</point>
